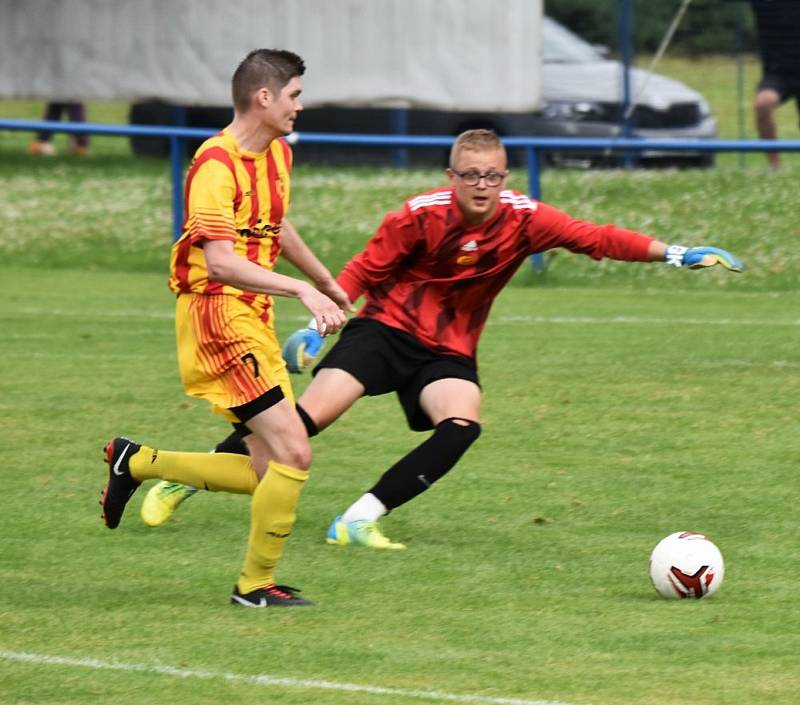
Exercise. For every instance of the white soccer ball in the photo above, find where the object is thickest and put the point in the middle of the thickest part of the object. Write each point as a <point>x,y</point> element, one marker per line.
<point>686,564</point>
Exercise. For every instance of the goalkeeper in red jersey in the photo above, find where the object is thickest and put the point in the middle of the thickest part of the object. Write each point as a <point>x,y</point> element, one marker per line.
<point>429,277</point>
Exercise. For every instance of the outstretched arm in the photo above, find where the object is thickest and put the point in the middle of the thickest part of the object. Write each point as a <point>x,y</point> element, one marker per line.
<point>552,227</point>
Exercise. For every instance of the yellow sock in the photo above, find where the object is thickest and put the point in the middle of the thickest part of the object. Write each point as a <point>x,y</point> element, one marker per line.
<point>217,472</point>
<point>272,519</point>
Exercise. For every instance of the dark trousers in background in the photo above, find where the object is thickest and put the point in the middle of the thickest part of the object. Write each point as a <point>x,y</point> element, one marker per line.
<point>75,112</point>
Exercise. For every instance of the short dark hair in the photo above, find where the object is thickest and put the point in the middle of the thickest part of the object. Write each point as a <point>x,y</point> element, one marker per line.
<point>270,68</point>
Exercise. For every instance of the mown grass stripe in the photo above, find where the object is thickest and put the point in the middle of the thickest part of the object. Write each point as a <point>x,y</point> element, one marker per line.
<point>264,679</point>
<point>498,320</point>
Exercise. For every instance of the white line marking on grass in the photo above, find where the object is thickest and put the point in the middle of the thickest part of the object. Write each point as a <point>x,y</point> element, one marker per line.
<point>264,679</point>
<point>497,320</point>
<point>635,320</point>
<point>85,313</point>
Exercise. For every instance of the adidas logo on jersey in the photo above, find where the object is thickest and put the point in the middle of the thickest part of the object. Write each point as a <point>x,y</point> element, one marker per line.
<point>439,198</point>
<point>517,201</point>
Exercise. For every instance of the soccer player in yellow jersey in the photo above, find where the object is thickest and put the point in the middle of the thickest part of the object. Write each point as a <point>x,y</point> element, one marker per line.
<point>221,269</point>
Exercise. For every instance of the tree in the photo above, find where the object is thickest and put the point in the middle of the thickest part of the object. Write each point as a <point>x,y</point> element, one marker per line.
<point>708,27</point>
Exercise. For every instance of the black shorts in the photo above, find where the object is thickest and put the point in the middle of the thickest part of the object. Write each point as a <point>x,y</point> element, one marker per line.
<point>385,359</point>
<point>245,412</point>
<point>785,85</point>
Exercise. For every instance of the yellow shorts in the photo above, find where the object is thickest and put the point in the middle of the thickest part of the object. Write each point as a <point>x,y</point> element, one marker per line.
<point>226,353</point>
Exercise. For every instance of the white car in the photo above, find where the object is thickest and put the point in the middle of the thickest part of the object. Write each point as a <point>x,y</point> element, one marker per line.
<point>583,98</point>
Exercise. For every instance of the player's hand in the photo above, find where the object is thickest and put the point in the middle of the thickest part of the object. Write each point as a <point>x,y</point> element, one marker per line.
<point>699,257</point>
<point>302,348</point>
<point>328,316</point>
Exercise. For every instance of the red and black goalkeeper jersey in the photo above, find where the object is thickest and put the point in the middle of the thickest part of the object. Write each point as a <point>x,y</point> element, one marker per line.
<point>430,273</point>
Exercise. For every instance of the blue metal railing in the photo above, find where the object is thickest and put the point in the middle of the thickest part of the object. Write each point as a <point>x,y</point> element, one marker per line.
<point>531,145</point>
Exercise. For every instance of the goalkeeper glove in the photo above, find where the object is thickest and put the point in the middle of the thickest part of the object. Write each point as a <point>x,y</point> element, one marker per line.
<point>302,347</point>
<point>698,257</point>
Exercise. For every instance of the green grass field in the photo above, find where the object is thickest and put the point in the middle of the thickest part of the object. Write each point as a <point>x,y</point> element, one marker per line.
<point>622,402</point>
<point>612,417</point>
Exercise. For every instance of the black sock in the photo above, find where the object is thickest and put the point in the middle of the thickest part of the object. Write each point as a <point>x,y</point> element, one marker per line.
<point>428,462</point>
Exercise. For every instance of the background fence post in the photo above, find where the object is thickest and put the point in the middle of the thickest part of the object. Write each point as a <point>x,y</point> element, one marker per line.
<point>176,169</point>
<point>625,30</point>
<point>399,120</point>
<point>535,191</point>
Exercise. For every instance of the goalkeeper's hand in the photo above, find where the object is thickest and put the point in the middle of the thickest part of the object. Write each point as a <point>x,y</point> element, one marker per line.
<point>302,347</point>
<point>699,257</point>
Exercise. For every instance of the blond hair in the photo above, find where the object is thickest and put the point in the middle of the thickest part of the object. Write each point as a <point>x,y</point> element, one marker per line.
<point>475,141</point>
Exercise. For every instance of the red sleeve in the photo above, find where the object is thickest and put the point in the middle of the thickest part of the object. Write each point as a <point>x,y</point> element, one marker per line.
<point>554,228</point>
<point>394,240</point>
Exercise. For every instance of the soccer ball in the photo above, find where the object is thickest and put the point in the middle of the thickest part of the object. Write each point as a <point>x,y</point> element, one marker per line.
<point>686,564</point>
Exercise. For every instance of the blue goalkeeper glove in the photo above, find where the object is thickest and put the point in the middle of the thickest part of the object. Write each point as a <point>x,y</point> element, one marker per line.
<point>301,349</point>
<point>699,257</point>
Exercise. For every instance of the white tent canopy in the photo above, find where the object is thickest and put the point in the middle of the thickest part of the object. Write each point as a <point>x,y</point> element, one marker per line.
<point>440,54</point>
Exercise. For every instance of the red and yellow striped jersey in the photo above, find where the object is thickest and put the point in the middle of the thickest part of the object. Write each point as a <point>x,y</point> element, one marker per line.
<point>232,194</point>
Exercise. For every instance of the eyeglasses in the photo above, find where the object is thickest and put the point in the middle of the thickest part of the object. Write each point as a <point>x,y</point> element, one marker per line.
<point>473,177</point>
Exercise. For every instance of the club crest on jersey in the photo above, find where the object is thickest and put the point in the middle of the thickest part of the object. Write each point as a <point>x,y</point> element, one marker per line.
<point>470,255</point>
